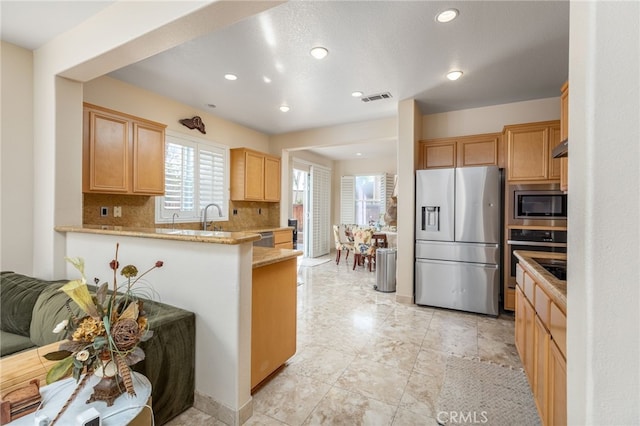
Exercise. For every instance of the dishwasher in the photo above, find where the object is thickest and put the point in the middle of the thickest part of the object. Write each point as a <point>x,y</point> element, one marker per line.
<point>265,241</point>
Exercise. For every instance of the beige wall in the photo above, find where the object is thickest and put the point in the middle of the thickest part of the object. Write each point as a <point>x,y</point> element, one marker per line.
<point>111,93</point>
<point>16,156</point>
<point>364,131</point>
<point>489,119</point>
<point>293,144</point>
<point>409,132</point>
<point>139,211</point>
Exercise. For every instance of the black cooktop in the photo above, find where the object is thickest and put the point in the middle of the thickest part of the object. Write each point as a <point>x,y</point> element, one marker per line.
<point>560,272</point>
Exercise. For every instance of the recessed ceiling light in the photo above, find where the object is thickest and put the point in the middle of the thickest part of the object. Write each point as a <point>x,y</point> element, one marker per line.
<point>447,16</point>
<point>319,52</point>
<point>454,75</point>
<point>266,79</point>
<point>359,154</point>
<point>284,108</point>
<point>356,94</point>
<point>231,77</point>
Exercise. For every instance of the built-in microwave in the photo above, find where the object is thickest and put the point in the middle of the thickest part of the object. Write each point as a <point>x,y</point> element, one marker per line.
<point>540,205</point>
<point>537,205</point>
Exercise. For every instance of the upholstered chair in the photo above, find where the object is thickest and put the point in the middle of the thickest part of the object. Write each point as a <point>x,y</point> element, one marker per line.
<point>365,248</point>
<point>343,243</point>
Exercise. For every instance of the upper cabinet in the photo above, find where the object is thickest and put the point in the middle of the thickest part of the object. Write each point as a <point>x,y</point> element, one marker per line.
<point>255,176</point>
<point>529,149</point>
<point>464,151</point>
<point>564,135</point>
<point>122,154</point>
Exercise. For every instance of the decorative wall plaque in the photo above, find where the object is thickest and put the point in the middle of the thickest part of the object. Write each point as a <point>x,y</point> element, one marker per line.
<point>194,123</point>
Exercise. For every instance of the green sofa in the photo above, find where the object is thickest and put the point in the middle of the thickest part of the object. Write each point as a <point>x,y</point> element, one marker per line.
<point>30,308</point>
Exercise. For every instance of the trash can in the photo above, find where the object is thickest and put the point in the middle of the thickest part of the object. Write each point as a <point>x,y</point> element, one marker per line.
<point>385,270</point>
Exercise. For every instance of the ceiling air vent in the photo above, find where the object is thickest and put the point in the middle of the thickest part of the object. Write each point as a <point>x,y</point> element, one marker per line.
<point>376,97</point>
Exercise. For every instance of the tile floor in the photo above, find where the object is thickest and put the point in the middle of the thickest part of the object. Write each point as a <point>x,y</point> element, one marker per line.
<point>364,359</point>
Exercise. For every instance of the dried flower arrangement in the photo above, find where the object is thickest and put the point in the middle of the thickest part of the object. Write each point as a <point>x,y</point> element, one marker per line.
<point>105,341</point>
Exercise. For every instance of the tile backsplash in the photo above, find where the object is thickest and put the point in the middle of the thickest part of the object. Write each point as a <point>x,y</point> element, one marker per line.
<point>139,211</point>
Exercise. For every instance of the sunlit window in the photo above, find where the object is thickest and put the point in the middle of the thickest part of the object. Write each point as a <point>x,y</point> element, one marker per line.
<point>369,205</point>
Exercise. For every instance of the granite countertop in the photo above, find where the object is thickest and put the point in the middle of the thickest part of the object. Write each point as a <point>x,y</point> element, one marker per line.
<point>212,237</point>
<point>555,288</point>
<point>263,256</point>
<point>258,230</point>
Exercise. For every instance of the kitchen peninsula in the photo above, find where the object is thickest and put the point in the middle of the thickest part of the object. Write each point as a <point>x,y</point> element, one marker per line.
<point>541,331</point>
<point>207,272</point>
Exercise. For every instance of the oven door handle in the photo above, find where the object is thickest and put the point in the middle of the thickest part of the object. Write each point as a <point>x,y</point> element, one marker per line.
<point>535,243</point>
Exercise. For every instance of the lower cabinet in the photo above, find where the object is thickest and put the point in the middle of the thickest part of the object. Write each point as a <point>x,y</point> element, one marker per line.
<point>520,323</point>
<point>273,318</point>
<point>529,347</point>
<point>541,340</point>
<point>283,239</point>
<point>557,410</point>
<point>541,350</point>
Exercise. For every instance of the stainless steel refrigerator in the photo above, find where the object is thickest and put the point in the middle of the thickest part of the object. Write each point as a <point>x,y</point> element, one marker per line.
<point>458,223</point>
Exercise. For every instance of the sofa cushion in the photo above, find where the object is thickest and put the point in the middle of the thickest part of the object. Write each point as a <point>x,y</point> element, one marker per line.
<point>19,294</point>
<point>48,311</point>
<point>13,343</point>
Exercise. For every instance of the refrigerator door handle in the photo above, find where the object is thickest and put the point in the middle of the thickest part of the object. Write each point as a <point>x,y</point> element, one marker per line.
<point>431,218</point>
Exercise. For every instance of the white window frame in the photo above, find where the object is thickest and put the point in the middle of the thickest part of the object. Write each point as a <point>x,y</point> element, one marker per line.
<point>163,215</point>
<point>348,195</point>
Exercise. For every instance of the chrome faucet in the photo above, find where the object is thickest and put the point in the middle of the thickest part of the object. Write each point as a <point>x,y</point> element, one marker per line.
<point>204,218</point>
<point>173,220</point>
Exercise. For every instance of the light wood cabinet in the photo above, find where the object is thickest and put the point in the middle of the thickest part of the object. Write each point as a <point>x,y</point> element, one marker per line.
<point>463,151</point>
<point>529,345</point>
<point>529,149</point>
<point>520,323</point>
<point>255,176</point>
<point>273,318</point>
<point>557,409</point>
<point>437,154</point>
<point>554,163</point>
<point>564,135</point>
<point>283,239</point>
<point>122,154</point>
<point>540,338</point>
<point>271,179</point>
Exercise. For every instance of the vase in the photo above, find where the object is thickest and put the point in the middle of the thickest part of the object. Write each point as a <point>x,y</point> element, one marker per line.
<point>108,389</point>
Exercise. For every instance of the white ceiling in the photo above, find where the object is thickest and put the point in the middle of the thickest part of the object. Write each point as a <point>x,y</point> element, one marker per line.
<point>508,51</point>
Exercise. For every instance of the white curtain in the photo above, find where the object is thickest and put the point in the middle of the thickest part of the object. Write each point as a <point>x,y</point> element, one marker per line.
<point>319,227</point>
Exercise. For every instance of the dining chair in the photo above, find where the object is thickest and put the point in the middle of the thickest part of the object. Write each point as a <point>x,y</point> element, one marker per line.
<point>364,248</point>
<point>342,242</point>
<point>380,240</point>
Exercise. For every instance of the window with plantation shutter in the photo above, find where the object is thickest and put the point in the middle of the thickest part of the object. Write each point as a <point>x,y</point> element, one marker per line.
<point>364,198</point>
<point>320,226</point>
<point>196,174</point>
<point>347,200</point>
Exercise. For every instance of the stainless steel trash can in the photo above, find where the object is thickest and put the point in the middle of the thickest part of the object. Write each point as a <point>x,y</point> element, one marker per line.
<point>385,270</point>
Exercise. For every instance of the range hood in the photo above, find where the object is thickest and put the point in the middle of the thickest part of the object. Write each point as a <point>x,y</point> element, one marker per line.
<point>561,150</point>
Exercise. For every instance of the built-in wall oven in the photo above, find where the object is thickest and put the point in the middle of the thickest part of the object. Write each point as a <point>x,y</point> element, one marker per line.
<point>534,240</point>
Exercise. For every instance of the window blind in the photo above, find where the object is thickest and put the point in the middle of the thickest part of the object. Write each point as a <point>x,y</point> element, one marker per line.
<point>196,174</point>
<point>320,231</point>
<point>347,199</point>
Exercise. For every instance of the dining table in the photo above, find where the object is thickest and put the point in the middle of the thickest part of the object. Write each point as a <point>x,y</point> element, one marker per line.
<point>386,239</point>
